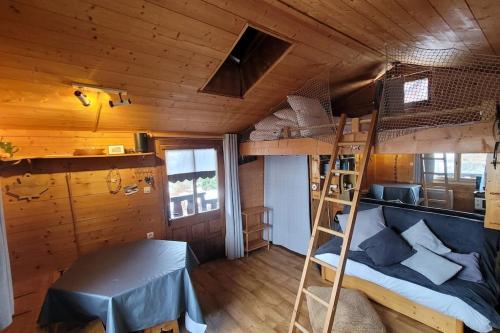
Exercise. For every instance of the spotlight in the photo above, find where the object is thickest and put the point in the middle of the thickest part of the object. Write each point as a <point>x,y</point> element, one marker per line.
<point>121,102</point>
<point>82,97</point>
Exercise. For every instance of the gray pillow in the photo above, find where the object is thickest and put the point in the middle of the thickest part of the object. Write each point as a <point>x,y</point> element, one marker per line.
<point>432,266</point>
<point>420,234</point>
<point>368,223</point>
<point>387,248</point>
<point>470,262</point>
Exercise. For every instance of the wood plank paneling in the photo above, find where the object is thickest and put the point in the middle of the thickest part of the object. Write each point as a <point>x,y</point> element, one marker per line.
<point>43,237</point>
<point>163,52</point>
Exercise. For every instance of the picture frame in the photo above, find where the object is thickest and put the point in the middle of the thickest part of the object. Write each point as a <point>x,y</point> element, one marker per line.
<point>116,149</point>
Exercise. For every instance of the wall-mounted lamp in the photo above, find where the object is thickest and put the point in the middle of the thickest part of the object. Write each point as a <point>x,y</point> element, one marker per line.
<point>121,102</point>
<point>111,91</point>
<point>82,98</point>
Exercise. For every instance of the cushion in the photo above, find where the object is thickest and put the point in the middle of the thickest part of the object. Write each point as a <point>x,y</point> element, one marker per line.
<point>420,234</point>
<point>387,248</point>
<point>258,135</point>
<point>269,123</point>
<point>368,223</point>
<point>354,314</point>
<point>432,266</point>
<point>470,263</point>
<point>288,115</point>
<point>309,112</point>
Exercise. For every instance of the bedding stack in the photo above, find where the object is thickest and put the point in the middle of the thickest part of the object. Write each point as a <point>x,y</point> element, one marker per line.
<point>396,248</point>
<point>303,112</point>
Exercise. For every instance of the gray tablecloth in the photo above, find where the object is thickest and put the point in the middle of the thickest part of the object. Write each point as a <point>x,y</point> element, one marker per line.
<point>129,287</point>
<point>406,193</point>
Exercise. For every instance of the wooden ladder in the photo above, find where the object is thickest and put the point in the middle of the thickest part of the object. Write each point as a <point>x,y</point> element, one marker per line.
<point>426,186</point>
<point>341,140</point>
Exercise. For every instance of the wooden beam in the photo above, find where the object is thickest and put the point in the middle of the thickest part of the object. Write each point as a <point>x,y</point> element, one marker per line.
<point>476,138</point>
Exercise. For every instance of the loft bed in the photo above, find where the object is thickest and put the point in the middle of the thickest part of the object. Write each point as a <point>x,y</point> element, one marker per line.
<point>470,138</point>
<point>429,101</point>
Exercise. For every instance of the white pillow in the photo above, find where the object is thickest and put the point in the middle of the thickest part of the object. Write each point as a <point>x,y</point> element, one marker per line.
<point>434,267</point>
<point>288,115</point>
<point>368,223</point>
<point>269,123</point>
<point>309,113</point>
<point>258,135</point>
<point>420,234</point>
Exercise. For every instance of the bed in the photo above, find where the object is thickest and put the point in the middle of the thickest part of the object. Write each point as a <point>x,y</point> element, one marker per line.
<point>443,307</point>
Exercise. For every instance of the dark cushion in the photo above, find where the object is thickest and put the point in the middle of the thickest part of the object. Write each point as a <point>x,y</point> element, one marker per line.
<point>387,248</point>
<point>470,263</point>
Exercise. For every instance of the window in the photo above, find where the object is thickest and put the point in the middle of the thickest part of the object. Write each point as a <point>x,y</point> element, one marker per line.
<point>416,91</point>
<point>192,181</point>
<point>472,165</point>
<point>460,167</point>
<point>251,58</point>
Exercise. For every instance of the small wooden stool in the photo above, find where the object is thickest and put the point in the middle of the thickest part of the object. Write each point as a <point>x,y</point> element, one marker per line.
<point>167,326</point>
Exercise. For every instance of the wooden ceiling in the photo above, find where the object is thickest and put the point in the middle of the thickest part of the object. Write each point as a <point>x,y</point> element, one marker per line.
<point>162,52</point>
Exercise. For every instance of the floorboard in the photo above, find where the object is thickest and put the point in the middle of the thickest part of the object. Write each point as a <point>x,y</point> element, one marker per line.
<point>256,294</point>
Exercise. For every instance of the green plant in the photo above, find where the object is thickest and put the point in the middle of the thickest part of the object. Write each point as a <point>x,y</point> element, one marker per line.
<point>8,148</point>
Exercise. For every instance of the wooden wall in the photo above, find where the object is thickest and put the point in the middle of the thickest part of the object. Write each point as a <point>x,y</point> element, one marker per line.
<point>43,235</point>
<point>252,183</point>
<point>252,189</point>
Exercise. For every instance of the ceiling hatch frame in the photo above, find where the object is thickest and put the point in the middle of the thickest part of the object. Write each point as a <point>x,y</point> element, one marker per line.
<point>283,47</point>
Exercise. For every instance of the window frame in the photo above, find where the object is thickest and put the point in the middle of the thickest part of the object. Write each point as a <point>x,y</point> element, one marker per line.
<point>415,77</point>
<point>163,144</point>
<point>457,179</point>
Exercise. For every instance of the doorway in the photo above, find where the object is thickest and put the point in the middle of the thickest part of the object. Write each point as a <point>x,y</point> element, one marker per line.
<point>193,185</point>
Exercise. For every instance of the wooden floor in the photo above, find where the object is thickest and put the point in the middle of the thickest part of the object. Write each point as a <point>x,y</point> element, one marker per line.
<point>256,294</point>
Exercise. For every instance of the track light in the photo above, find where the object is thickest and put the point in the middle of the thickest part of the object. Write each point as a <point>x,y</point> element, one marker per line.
<point>121,102</point>
<point>82,98</point>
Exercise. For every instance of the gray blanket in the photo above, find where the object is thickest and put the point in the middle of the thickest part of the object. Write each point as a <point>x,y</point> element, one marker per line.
<point>483,297</point>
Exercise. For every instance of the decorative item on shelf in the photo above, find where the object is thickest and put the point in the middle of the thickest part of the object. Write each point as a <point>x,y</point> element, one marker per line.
<point>114,181</point>
<point>149,180</point>
<point>27,187</point>
<point>88,151</point>
<point>7,149</point>
<point>116,149</point>
<point>130,151</point>
<point>131,189</point>
<point>141,142</point>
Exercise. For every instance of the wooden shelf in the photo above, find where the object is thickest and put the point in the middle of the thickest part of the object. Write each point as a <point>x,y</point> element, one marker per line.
<point>256,244</point>
<point>254,210</point>
<point>72,156</point>
<point>256,228</point>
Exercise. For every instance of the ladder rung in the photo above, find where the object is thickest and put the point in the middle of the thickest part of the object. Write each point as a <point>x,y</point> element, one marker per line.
<point>345,172</point>
<point>435,173</point>
<point>436,200</point>
<point>301,328</point>
<point>322,263</point>
<point>340,201</point>
<point>331,232</point>
<point>315,297</point>
<point>351,143</point>
<point>434,158</point>
<point>436,188</point>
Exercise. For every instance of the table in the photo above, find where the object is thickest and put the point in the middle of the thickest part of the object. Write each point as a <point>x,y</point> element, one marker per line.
<point>406,193</point>
<point>129,287</point>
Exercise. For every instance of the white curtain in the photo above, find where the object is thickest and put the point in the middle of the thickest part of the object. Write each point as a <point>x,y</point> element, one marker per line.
<point>234,228</point>
<point>6,293</point>
<point>286,192</point>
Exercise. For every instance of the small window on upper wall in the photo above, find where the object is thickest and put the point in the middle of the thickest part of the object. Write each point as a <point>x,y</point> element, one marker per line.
<point>416,91</point>
<point>472,165</point>
<point>252,56</point>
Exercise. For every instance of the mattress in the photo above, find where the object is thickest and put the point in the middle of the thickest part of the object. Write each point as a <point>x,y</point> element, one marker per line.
<point>447,304</point>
